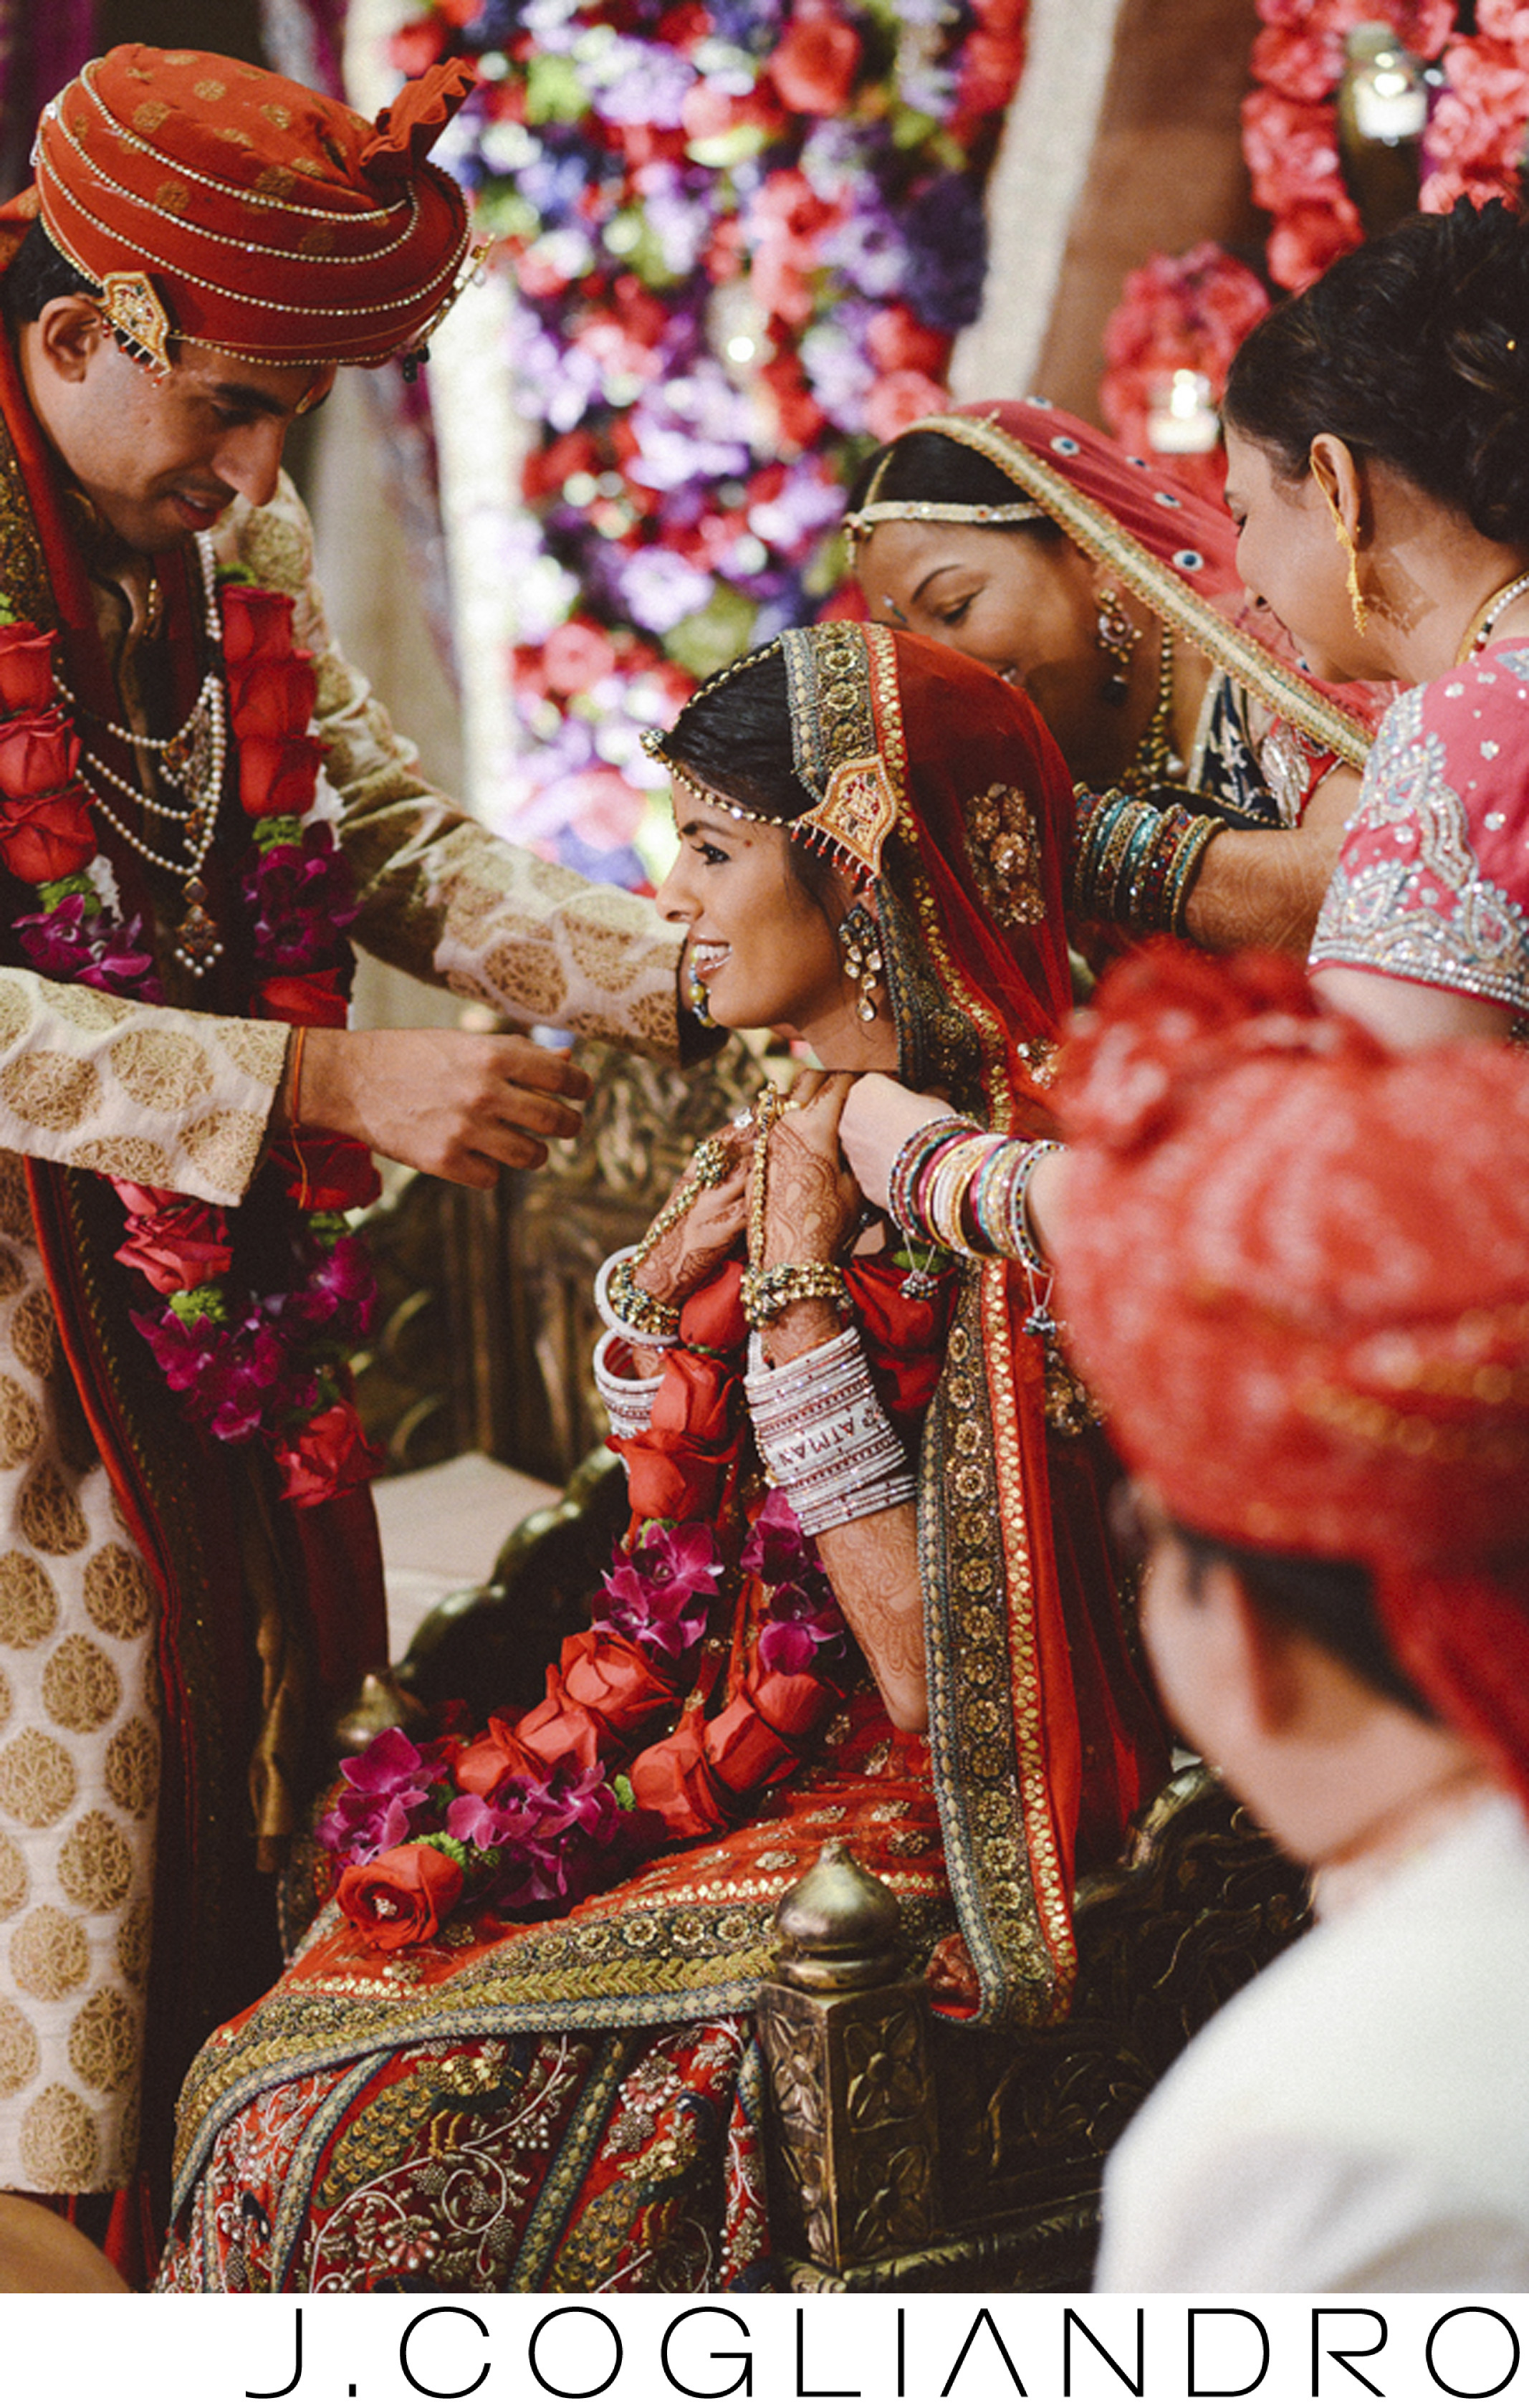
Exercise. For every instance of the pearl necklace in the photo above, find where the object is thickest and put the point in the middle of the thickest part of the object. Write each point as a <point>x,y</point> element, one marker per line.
<point>1478,634</point>
<point>193,759</point>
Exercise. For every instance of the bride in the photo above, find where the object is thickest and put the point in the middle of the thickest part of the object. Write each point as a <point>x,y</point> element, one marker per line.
<point>866,1593</point>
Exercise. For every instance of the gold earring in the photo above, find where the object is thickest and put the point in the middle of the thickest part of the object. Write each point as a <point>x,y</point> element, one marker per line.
<point>1117,637</point>
<point>1356,599</point>
<point>860,941</point>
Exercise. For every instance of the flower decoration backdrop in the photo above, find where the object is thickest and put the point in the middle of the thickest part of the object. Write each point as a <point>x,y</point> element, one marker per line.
<point>1194,311</point>
<point>741,238</point>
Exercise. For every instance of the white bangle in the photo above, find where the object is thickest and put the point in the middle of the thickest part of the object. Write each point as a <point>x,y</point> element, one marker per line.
<point>628,1403</point>
<point>612,1319</point>
<point>824,1437</point>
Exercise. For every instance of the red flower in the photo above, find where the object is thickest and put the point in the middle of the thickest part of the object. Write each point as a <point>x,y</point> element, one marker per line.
<point>496,1755</point>
<point>813,66</point>
<point>674,1781</point>
<point>326,1173</point>
<point>896,339</point>
<point>278,774</point>
<point>576,656</point>
<point>257,624</point>
<point>26,667</point>
<point>326,1458</point>
<point>401,1897</point>
<point>174,1240</point>
<point>272,694</point>
<point>45,836</point>
<point>896,400</point>
<point>310,1002</point>
<point>38,751</point>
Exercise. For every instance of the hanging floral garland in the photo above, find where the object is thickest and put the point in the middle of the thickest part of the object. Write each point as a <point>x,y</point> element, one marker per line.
<point>250,1316</point>
<point>1195,310</point>
<point>743,236</point>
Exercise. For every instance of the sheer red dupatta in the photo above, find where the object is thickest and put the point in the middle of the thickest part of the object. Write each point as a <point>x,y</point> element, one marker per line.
<point>1175,552</point>
<point>1045,1741</point>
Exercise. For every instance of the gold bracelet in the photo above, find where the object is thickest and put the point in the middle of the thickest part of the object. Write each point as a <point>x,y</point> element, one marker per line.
<point>766,1293</point>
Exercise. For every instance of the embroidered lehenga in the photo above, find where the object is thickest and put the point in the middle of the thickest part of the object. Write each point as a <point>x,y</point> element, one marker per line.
<point>576,2102</point>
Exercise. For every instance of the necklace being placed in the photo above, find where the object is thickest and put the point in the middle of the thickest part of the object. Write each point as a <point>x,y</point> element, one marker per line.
<point>193,760</point>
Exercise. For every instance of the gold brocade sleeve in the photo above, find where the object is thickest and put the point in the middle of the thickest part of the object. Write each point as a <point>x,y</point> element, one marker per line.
<point>440,897</point>
<point>136,1091</point>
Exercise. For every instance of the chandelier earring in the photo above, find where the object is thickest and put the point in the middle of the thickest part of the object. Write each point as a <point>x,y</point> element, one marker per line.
<point>860,946</point>
<point>1356,600</point>
<point>1117,637</point>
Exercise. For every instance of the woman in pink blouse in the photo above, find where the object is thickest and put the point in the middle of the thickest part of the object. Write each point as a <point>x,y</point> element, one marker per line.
<point>1377,434</point>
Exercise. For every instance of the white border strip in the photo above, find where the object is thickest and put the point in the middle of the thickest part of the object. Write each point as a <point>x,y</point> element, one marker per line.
<point>1038,177</point>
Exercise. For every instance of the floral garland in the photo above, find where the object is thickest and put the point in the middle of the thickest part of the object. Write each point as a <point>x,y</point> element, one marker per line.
<point>1474,135</point>
<point>1193,312</point>
<point>531,1816</point>
<point>1190,313</point>
<point>260,1354</point>
<point>743,236</point>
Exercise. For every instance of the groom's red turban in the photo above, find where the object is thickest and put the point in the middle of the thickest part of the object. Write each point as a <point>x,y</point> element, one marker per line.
<point>1296,1265</point>
<point>227,207</point>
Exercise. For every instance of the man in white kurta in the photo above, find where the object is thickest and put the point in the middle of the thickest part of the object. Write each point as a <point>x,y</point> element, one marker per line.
<point>1309,1323</point>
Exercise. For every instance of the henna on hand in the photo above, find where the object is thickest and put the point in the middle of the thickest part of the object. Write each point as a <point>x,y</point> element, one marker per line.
<point>874,1567</point>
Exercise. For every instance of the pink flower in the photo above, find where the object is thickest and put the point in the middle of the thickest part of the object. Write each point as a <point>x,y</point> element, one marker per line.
<point>894,401</point>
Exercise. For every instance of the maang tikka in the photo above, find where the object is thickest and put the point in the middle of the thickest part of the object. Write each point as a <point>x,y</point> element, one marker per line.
<point>860,943</point>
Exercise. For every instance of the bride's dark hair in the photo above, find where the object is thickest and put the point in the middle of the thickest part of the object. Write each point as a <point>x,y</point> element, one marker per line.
<point>1415,350</point>
<point>734,735</point>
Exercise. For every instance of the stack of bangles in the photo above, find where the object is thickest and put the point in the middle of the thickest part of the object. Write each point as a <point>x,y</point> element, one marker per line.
<point>633,1317</point>
<point>967,1190</point>
<point>823,1437</point>
<point>764,1295</point>
<point>1134,863</point>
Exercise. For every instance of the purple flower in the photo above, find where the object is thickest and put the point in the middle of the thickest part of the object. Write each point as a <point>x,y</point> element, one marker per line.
<point>775,1549</point>
<point>947,253</point>
<point>301,896</point>
<point>802,1626</point>
<point>656,1614</point>
<point>90,949</point>
<point>384,1785</point>
<point>685,1553</point>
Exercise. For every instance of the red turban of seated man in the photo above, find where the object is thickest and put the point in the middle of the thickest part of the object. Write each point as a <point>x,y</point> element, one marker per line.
<point>215,204</point>
<point>1297,1268</point>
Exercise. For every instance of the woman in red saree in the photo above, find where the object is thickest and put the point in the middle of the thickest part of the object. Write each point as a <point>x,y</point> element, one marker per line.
<point>873,836</point>
<point>1022,537</point>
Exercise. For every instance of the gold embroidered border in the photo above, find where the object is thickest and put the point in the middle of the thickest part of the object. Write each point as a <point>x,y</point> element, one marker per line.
<point>1232,648</point>
<point>671,1962</point>
<point>24,581</point>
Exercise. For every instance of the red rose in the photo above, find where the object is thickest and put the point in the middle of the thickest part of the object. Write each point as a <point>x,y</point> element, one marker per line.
<point>272,694</point>
<point>576,656</point>
<point>26,667</point>
<point>175,1244</point>
<point>813,66</point>
<point>743,1751</point>
<point>402,1896</point>
<point>896,339</point>
<point>493,1757</point>
<point>277,775</point>
<point>256,623</point>
<point>326,1173</point>
<point>312,1001</point>
<point>673,1780</point>
<point>38,753</point>
<point>328,1457</point>
<point>46,836</point>
<point>896,400</point>
<point>613,1679</point>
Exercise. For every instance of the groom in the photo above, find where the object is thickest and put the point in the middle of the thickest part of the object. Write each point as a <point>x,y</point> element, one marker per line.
<point>198,796</point>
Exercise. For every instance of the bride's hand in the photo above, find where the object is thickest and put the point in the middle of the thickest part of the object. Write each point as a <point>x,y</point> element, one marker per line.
<point>811,1204</point>
<point>879,1118</point>
<point>690,1254</point>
